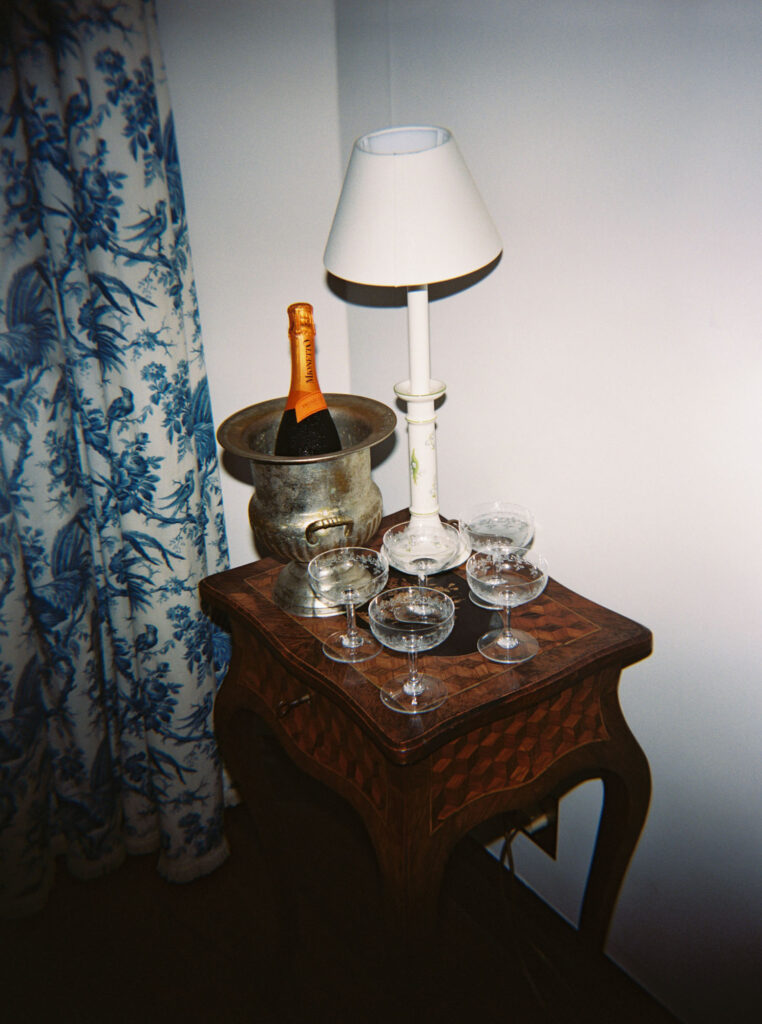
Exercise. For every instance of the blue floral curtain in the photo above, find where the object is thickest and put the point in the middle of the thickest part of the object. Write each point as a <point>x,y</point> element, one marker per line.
<point>110,505</point>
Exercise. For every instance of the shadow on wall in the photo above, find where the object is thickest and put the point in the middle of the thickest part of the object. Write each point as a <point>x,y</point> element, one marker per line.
<point>382,297</point>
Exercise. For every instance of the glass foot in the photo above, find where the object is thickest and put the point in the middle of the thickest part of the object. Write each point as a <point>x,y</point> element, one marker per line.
<point>491,647</point>
<point>433,695</point>
<point>336,648</point>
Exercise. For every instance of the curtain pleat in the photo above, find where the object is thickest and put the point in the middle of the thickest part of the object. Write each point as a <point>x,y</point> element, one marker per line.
<point>110,503</point>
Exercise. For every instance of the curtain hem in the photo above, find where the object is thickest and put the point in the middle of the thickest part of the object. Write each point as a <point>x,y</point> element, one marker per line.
<point>181,872</point>
<point>85,870</point>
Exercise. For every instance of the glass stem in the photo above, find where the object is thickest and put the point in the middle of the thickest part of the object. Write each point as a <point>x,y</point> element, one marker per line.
<point>507,639</point>
<point>352,637</point>
<point>413,684</point>
<point>506,620</point>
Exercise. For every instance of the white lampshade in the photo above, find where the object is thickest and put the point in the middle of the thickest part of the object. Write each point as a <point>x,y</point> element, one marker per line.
<point>409,212</point>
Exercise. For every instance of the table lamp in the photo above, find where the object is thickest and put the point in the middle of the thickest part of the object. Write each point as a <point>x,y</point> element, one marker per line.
<point>409,215</point>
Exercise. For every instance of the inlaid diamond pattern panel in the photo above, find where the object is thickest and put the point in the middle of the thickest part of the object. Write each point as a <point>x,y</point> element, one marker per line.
<point>507,754</point>
<point>331,740</point>
<point>337,744</point>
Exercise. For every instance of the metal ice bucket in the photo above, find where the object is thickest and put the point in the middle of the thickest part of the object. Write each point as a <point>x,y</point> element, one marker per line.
<point>302,506</point>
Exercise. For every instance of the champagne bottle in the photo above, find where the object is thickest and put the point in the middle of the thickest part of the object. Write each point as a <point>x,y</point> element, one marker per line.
<point>306,427</point>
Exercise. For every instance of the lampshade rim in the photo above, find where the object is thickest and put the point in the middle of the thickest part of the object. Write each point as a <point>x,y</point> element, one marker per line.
<point>411,284</point>
<point>446,136</point>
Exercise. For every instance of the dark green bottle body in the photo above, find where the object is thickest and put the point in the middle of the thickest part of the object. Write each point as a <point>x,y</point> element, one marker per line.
<point>314,435</point>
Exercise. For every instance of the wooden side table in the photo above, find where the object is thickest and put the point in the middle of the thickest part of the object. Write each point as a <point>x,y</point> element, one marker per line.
<point>505,740</point>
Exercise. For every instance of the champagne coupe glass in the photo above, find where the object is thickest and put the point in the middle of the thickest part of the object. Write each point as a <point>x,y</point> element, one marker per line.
<point>349,576</point>
<point>412,619</point>
<point>498,522</point>
<point>422,548</point>
<point>502,576</point>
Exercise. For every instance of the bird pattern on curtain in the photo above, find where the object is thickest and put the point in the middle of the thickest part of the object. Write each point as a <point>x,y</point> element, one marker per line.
<point>110,504</point>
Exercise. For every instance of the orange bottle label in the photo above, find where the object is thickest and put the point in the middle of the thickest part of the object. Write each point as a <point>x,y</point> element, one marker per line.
<point>308,403</point>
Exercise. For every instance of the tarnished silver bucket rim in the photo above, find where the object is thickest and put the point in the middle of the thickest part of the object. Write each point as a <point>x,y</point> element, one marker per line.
<point>243,433</point>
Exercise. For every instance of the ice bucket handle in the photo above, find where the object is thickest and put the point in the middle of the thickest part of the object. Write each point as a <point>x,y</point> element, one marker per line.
<point>327,523</point>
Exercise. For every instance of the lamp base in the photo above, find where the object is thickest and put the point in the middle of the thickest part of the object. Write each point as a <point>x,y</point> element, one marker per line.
<point>426,524</point>
<point>461,555</point>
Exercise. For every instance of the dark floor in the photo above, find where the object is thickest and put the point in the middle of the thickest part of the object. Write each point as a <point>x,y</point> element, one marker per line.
<point>133,948</point>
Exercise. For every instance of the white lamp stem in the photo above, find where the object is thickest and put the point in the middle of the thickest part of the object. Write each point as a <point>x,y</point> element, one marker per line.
<point>418,338</point>
<point>420,392</point>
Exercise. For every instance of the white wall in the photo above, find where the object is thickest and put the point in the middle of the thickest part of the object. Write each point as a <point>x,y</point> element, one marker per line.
<point>253,88</point>
<point>607,373</point>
